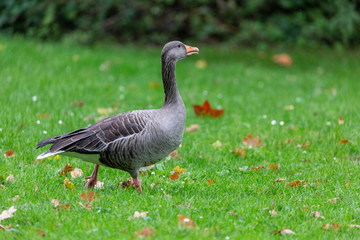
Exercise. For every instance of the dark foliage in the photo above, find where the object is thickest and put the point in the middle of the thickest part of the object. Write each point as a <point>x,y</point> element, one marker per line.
<point>244,22</point>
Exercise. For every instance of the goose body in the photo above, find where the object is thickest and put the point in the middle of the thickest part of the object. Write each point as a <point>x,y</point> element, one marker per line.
<point>135,139</point>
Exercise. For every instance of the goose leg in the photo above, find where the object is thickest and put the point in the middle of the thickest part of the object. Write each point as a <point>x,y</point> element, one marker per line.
<point>93,178</point>
<point>137,183</point>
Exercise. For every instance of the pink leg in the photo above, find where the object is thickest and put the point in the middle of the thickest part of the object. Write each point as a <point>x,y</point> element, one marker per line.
<point>93,178</point>
<point>137,183</point>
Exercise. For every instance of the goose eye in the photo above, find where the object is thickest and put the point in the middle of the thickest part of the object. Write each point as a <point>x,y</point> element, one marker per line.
<point>179,45</point>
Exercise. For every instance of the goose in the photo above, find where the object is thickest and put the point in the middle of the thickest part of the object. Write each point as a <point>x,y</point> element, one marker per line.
<point>131,140</point>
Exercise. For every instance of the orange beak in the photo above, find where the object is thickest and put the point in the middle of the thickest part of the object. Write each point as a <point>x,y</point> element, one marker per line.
<point>191,50</point>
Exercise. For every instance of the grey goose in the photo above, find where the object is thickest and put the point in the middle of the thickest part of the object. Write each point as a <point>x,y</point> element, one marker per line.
<point>135,139</point>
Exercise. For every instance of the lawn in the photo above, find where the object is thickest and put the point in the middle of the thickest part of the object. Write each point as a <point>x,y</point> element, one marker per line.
<point>48,89</point>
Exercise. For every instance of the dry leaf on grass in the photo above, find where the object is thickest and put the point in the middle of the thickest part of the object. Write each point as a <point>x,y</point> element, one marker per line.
<point>217,144</point>
<point>10,153</point>
<point>252,142</point>
<point>193,128</point>
<point>318,215</point>
<point>174,176</point>
<point>304,145</point>
<point>333,226</point>
<point>353,226</point>
<point>207,110</point>
<point>66,170</point>
<point>154,84</point>
<point>289,108</point>
<point>210,181</point>
<point>296,183</point>
<point>285,231</point>
<point>41,233</point>
<point>77,172</point>
<point>344,141</point>
<point>43,115</point>
<point>140,214</point>
<point>68,184</point>
<point>239,151</point>
<point>126,184</point>
<point>280,180</point>
<point>185,221</point>
<point>256,168</point>
<point>333,200</point>
<point>7,213</point>
<point>340,121</point>
<point>87,199</point>
<point>283,59</point>
<point>10,178</point>
<point>201,64</point>
<point>58,205</point>
<point>36,188</point>
<point>273,212</point>
<point>274,167</point>
<point>17,197</point>
<point>175,155</point>
<point>145,232</point>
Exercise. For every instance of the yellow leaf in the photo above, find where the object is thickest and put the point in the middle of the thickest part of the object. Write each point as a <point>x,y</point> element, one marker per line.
<point>179,170</point>
<point>68,184</point>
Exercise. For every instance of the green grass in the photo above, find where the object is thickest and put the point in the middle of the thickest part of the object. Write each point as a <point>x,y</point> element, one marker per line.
<point>322,85</point>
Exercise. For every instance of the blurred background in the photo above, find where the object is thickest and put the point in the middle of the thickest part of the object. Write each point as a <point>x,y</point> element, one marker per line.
<point>262,23</point>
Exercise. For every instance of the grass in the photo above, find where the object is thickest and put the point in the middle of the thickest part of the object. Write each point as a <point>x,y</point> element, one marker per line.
<point>322,85</point>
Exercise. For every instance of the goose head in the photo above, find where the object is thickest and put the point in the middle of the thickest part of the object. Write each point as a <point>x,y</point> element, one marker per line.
<point>176,51</point>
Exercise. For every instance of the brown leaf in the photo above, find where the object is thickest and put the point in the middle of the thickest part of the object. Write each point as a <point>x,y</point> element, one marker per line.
<point>126,184</point>
<point>154,85</point>
<point>296,183</point>
<point>185,221</point>
<point>239,151</point>
<point>210,181</point>
<point>289,108</point>
<point>77,172</point>
<point>233,213</point>
<point>78,103</point>
<point>280,180</point>
<point>251,142</point>
<point>334,226</point>
<point>283,59</point>
<point>56,203</point>
<point>10,153</point>
<point>43,115</point>
<point>36,188</point>
<point>274,167</point>
<point>285,231</point>
<point>66,170</point>
<point>145,232</point>
<point>273,212</point>
<point>318,215</point>
<point>344,141</point>
<point>257,168</point>
<point>193,128</point>
<point>304,145</point>
<point>340,121</point>
<point>206,110</point>
<point>87,199</point>
<point>333,200</point>
<point>41,233</point>
<point>174,176</point>
<point>7,213</point>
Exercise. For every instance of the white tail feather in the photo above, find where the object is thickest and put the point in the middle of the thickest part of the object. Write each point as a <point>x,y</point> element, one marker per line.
<point>48,154</point>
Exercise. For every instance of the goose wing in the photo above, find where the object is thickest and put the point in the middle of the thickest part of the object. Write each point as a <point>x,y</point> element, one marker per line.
<point>93,139</point>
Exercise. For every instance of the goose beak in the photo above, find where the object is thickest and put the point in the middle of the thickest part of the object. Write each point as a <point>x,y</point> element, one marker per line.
<point>191,50</point>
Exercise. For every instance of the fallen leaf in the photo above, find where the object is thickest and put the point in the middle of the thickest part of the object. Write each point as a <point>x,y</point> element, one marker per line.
<point>251,142</point>
<point>66,170</point>
<point>201,64</point>
<point>340,121</point>
<point>185,221</point>
<point>43,115</point>
<point>333,200</point>
<point>280,180</point>
<point>68,184</point>
<point>105,112</point>
<point>87,199</point>
<point>256,168</point>
<point>273,212</point>
<point>10,178</point>
<point>296,183</point>
<point>140,214</point>
<point>179,170</point>
<point>78,103</point>
<point>77,172</point>
<point>274,167</point>
<point>99,185</point>
<point>217,144</point>
<point>36,188</point>
<point>10,153</point>
<point>354,226</point>
<point>41,233</point>
<point>289,108</point>
<point>126,184</point>
<point>283,59</point>
<point>57,157</point>
<point>210,181</point>
<point>233,213</point>
<point>285,231</point>
<point>344,141</point>
<point>304,145</point>
<point>318,215</point>
<point>239,151</point>
<point>56,203</point>
<point>166,195</point>
<point>206,110</point>
<point>17,197</point>
<point>145,232</point>
<point>154,84</point>
<point>7,213</point>
<point>334,226</point>
<point>174,176</point>
<point>175,155</point>
<point>193,128</point>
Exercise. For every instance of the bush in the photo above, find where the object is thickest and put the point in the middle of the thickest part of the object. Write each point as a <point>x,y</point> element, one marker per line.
<point>243,22</point>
